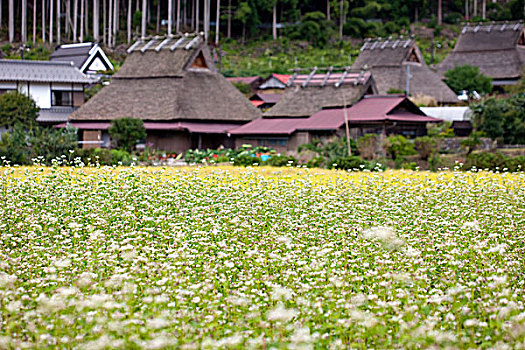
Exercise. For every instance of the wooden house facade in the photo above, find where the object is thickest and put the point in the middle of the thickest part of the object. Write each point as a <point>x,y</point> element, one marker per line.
<point>172,85</point>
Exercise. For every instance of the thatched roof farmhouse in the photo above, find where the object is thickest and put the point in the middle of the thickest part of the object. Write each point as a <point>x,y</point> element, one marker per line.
<point>391,60</point>
<point>172,84</point>
<point>309,92</point>
<point>498,49</point>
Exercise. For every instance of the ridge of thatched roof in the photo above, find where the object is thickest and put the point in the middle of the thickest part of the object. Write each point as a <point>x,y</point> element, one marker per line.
<point>307,94</point>
<point>387,60</point>
<point>497,49</point>
<point>168,79</point>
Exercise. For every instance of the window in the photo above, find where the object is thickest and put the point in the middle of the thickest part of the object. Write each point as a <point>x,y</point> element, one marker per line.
<point>3,91</point>
<point>61,98</point>
<point>271,141</point>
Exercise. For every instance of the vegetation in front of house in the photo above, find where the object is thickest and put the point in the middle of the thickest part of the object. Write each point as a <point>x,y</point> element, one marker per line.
<point>468,78</point>
<point>230,257</point>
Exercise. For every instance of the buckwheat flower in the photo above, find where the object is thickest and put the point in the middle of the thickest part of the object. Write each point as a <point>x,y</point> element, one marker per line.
<point>157,323</point>
<point>471,322</point>
<point>471,225</point>
<point>280,313</point>
<point>63,263</point>
<point>196,300</point>
<point>280,292</point>
<point>229,264</point>
<point>6,280</point>
<point>14,306</point>
<point>301,335</point>
<point>385,235</point>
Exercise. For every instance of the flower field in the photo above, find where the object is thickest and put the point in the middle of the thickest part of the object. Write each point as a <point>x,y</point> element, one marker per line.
<point>223,257</point>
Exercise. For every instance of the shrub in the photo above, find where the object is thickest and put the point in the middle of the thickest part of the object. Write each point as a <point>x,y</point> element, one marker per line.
<point>316,162</point>
<point>246,160</point>
<point>494,161</point>
<point>127,132</point>
<point>281,161</point>
<point>367,146</point>
<point>398,146</point>
<point>354,163</point>
<point>426,146</point>
<point>468,78</point>
<point>17,108</point>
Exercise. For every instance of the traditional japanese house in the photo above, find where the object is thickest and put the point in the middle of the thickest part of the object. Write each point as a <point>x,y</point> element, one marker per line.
<point>56,87</point>
<point>307,93</point>
<point>497,49</point>
<point>378,114</point>
<point>89,57</point>
<point>172,85</point>
<point>398,66</point>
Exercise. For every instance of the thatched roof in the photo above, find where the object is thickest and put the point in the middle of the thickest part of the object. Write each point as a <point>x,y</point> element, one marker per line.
<point>388,60</point>
<point>168,79</point>
<point>497,49</point>
<point>307,94</point>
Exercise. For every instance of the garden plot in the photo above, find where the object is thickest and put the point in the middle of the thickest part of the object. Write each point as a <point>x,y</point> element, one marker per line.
<point>260,257</point>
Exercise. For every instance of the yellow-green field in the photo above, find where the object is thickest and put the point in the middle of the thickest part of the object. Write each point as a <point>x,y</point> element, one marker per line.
<point>260,258</point>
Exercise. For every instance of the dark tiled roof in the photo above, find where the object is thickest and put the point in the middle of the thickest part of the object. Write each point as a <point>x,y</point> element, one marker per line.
<point>41,71</point>
<point>156,83</point>
<point>76,53</point>
<point>54,114</point>
<point>493,48</point>
<point>388,59</point>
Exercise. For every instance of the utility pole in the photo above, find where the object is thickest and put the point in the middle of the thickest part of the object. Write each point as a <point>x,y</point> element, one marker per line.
<point>217,28</point>
<point>346,125</point>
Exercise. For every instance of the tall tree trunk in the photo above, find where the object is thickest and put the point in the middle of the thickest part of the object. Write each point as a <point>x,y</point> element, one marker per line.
<point>193,15</point>
<point>34,22</point>
<point>11,21</point>
<point>197,15</point>
<point>177,21</point>
<point>82,20</point>
<point>144,9</point>
<point>44,20</point>
<point>96,28</point>
<point>206,19</point>
<point>217,26</point>
<point>341,19</point>
<point>243,32</point>
<point>439,16</point>
<point>67,22</point>
<point>58,23</point>
<point>484,9</point>
<point>75,20</point>
<point>1,22</point>
<point>328,10</point>
<point>170,15</point>
<point>115,21</point>
<point>274,21</point>
<point>105,22</point>
<point>466,10</point>
<point>475,9</point>
<point>23,33</point>
<point>51,19</point>
<point>229,31</point>
<point>129,21</point>
<point>110,23</point>
<point>157,27</point>
<point>86,20</point>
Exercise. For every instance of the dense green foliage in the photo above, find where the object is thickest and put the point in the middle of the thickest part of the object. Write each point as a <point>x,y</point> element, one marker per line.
<point>17,108</point>
<point>494,161</point>
<point>127,132</point>
<point>468,78</point>
<point>22,146</point>
<point>502,118</point>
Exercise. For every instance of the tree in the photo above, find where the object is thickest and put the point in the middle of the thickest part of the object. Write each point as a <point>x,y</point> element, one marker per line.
<point>243,14</point>
<point>126,132</point>
<point>17,108</point>
<point>468,78</point>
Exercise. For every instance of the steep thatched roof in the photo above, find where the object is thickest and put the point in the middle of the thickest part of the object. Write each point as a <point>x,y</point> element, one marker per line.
<point>307,94</point>
<point>497,49</point>
<point>388,60</point>
<point>168,79</point>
